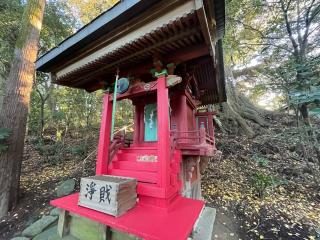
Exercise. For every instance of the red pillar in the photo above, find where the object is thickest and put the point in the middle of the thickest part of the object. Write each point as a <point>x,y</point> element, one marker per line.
<point>163,132</point>
<point>136,133</point>
<point>104,138</point>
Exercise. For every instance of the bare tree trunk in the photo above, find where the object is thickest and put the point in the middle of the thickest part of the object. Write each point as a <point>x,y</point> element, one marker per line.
<point>42,118</point>
<point>43,100</point>
<point>13,114</point>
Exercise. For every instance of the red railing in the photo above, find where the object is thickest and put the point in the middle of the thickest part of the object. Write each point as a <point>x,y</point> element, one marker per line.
<point>191,137</point>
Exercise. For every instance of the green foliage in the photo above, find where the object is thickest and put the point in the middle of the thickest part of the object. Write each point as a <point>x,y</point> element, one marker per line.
<point>80,150</point>
<point>257,91</point>
<point>260,160</point>
<point>262,182</point>
<point>281,35</point>
<point>315,111</point>
<point>300,97</point>
<point>10,17</point>
<point>58,24</point>
<point>4,134</point>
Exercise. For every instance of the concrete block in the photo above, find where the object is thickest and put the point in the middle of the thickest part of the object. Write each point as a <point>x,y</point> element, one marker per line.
<point>203,229</point>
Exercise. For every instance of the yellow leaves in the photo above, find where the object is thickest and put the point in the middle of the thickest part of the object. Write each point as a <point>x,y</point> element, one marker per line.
<point>88,10</point>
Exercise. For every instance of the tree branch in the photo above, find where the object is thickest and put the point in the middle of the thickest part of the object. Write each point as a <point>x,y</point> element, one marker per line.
<point>309,19</point>
<point>289,30</point>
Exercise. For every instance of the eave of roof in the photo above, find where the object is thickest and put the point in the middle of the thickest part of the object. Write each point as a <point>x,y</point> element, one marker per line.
<point>110,19</point>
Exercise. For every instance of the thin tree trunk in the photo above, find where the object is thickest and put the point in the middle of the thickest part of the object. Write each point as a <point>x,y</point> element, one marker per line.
<point>305,114</point>
<point>13,114</point>
<point>42,118</point>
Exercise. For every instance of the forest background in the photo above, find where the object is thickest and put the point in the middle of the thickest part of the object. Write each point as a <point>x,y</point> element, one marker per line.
<point>272,58</point>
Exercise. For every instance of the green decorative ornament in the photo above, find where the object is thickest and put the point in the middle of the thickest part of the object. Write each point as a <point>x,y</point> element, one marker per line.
<point>122,85</point>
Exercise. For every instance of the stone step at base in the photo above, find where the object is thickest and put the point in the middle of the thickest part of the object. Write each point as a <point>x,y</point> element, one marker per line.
<point>80,228</point>
<point>203,229</point>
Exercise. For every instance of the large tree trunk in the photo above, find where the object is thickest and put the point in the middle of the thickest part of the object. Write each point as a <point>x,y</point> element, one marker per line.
<point>2,84</point>
<point>14,111</point>
<point>238,111</point>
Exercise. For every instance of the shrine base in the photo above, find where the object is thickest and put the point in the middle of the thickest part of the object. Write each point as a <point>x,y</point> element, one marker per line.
<point>144,221</point>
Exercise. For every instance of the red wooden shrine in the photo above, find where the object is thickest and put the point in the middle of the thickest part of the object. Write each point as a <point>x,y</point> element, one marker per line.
<point>171,52</point>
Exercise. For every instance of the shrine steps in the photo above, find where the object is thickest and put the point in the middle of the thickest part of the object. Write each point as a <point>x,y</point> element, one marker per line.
<point>141,163</point>
<point>140,150</point>
<point>138,162</point>
<point>135,166</point>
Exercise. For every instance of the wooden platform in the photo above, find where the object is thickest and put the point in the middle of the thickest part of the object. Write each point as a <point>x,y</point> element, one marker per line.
<point>147,222</point>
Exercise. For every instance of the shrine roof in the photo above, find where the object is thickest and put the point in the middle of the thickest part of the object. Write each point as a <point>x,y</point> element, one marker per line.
<point>129,33</point>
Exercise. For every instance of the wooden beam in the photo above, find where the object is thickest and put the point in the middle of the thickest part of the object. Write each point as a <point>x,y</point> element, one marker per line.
<point>138,90</point>
<point>179,56</point>
<point>204,25</point>
<point>100,71</point>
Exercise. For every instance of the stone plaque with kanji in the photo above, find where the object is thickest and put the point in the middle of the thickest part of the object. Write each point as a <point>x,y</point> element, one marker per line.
<point>109,194</point>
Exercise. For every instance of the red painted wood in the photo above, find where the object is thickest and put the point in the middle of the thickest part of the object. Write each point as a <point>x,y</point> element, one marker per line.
<point>137,166</point>
<point>145,145</point>
<point>145,221</point>
<point>163,132</point>
<point>147,150</point>
<point>147,177</point>
<point>175,170</point>
<point>123,156</point>
<point>206,113</point>
<point>211,126</point>
<point>104,138</point>
<point>151,190</point>
<point>141,120</point>
<point>207,118</point>
<point>164,203</point>
<point>136,124</point>
<point>138,90</point>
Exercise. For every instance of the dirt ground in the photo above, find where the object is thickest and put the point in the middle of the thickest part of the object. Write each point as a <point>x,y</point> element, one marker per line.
<point>288,209</point>
<point>39,181</point>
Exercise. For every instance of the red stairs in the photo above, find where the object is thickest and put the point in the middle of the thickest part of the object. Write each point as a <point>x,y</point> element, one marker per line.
<point>142,163</point>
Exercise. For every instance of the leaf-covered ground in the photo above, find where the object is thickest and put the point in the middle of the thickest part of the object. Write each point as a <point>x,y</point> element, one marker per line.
<point>44,167</point>
<point>288,207</point>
